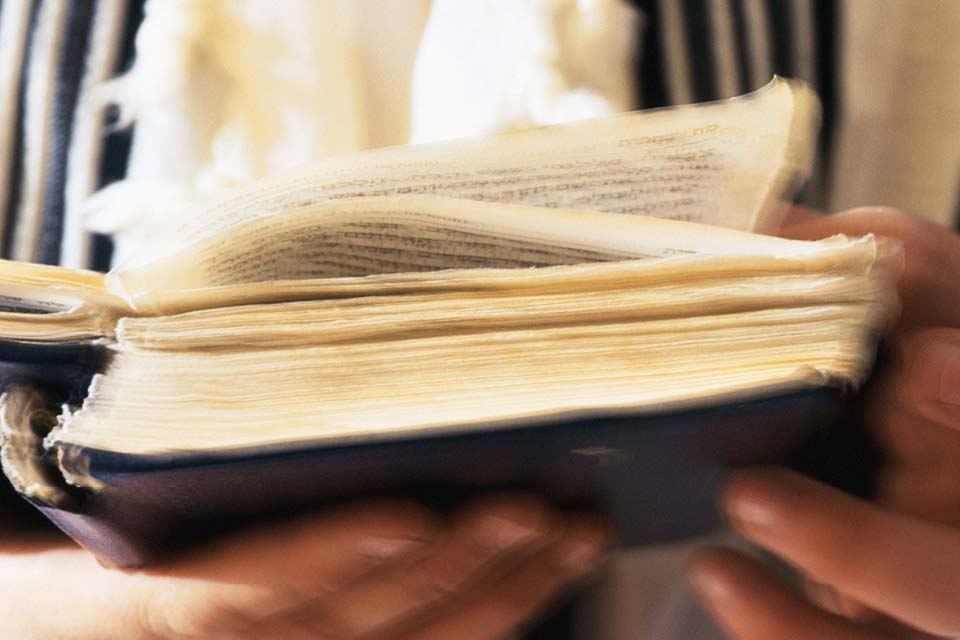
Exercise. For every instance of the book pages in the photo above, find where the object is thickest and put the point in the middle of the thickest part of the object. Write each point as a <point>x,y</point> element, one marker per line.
<point>729,163</point>
<point>410,353</point>
<point>383,235</point>
<point>833,254</point>
<point>342,391</point>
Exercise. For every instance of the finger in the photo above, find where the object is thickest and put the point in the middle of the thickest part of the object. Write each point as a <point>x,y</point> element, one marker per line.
<point>833,602</point>
<point>925,376</point>
<point>502,607</point>
<point>922,490</point>
<point>928,289</point>
<point>905,568</point>
<point>914,413</point>
<point>906,436</point>
<point>488,532</point>
<point>799,214</point>
<point>259,573</point>
<point>750,604</point>
<point>829,599</point>
<point>317,546</point>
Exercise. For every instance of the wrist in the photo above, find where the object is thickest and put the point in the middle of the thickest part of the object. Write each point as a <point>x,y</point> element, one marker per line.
<point>62,593</point>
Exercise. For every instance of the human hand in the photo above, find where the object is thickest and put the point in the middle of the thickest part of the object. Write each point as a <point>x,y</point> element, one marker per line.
<point>382,570</point>
<point>895,563</point>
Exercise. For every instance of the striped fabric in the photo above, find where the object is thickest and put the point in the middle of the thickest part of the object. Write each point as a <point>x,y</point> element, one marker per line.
<point>698,50</point>
<point>57,146</point>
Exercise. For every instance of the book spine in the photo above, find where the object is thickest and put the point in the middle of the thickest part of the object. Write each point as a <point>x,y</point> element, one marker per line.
<point>62,370</point>
<point>27,415</point>
<point>112,545</point>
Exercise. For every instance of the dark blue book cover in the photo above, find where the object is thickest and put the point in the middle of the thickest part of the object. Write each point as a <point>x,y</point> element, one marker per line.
<point>62,369</point>
<point>656,476</point>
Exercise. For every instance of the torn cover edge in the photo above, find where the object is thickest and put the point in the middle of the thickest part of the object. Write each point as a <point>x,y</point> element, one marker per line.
<point>27,416</point>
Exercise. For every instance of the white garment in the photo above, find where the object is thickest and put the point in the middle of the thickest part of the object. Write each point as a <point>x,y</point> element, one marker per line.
<point>224,92</point>
<point>900,107</point>
<point>498,65</point>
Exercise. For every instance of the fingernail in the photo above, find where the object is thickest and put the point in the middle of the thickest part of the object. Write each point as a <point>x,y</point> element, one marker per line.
<point>386,548</point>
<point>950,377</point>
<point>745,509</point>
<point>752,514</point>
<point>502,533</point>
<point>712,589</point>
<point>581,557</point>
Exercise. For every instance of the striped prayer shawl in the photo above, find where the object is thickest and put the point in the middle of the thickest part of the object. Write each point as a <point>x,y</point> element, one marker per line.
<point>56,146</point>
<point>699,50</point>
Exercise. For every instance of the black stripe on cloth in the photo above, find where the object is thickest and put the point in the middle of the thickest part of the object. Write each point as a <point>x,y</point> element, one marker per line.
<point>672,25</point>
<point>16,166</point>
<point>43,68</point>
<point>701,47</point>
<point>649,65</point>
<point>87,138</point>
<point>69,75</point>
<point>116,148</point>
<point>741,44</point>
<point>956,210</point>
<point>134,18</point>
<point>728,74</point>
<point>781,36</point>
<point>803,34</point>
<point>827,33</point>
<point>758,40</point>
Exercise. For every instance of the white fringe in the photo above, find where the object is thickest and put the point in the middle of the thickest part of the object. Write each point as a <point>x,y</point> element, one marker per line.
<point>223,92</point>
<point>487,66</point>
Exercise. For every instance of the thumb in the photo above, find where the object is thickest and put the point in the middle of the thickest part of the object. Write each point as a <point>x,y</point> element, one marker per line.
<point>928,287</point>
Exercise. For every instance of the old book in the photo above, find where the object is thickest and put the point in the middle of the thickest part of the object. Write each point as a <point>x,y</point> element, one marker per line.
<point>449,318</point>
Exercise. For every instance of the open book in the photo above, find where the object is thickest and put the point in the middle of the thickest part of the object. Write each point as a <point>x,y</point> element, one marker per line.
<point>469,314</point>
